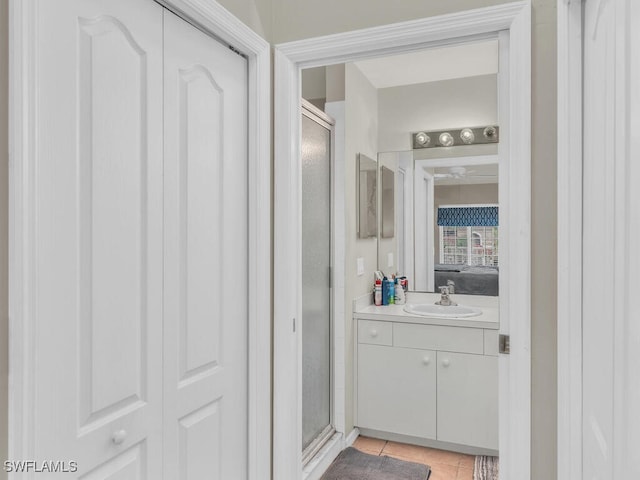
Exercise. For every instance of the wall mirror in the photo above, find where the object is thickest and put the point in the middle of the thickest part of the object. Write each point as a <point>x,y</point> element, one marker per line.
<point>387,202</point>
<point>367,189</point>
<point>446,221</point>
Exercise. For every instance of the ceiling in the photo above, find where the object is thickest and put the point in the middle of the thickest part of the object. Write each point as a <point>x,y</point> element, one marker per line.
<point>473,175</point>
<point>432,65</point>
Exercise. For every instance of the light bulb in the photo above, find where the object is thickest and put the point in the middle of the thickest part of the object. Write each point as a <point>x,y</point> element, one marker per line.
<point>489,133</point>
<point>423,139</point>
<point>467,136</point>
<point>445,139</point>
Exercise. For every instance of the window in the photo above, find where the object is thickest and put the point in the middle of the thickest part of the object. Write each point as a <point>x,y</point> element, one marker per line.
<point>469,245</point>
<point>475,244</point>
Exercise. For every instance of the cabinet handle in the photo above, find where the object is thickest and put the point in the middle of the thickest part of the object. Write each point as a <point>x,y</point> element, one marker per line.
<point>374,333</point>
<point>118,437</point>
<point>426,360</point>
<point>445,362</point>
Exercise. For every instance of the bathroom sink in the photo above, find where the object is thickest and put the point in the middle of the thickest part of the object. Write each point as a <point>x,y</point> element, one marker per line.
<point>439,311</point>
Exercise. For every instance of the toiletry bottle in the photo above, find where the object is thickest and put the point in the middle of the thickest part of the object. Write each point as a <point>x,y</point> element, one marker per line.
<point>377,293</point>
<point>400,298</point>
<point>385,291</point>
<point>392,291</point>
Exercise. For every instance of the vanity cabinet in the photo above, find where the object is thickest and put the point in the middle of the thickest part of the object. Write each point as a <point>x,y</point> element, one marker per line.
<point>467,392</point>
<point>393,402</point>
<point>434,382</point>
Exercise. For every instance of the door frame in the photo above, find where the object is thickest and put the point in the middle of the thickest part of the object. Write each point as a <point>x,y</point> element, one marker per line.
<point>570,197</point>
<point>211,17</point>
<point>511,23</point>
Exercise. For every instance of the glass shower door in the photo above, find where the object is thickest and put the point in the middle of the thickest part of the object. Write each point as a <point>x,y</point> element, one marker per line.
<point>316,290</point>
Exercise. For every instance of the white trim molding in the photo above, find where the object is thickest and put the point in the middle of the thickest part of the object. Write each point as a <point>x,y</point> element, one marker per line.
<point>569,240</point>
<point>512,24</point>
<point>598,199</point>
<point>212,18</point>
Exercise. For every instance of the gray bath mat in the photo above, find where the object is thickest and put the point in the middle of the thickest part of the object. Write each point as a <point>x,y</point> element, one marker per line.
<point>485,468</point>
<point>352,464</point>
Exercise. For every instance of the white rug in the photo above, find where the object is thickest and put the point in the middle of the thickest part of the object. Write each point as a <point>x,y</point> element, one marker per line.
<point>485,468</point>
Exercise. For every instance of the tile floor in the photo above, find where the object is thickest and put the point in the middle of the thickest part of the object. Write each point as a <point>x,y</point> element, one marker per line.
<point>444,465</point>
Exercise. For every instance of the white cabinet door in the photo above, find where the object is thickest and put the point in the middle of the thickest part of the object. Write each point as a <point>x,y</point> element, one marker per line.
<point>206,251</point>
<point>97,229</point>
<point>397,390</point>
<point>468,399</point>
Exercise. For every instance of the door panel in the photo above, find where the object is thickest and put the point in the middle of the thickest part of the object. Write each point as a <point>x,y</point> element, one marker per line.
<point>316,263</point>
<point>206,247</point>
<point>388,401</point>
<point>468,399</point>
<point>112,192</point>
<point>98,295</point>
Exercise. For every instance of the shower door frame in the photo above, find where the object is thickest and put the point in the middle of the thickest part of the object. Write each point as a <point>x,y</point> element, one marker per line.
<point>321,118</point>
<point>511,23</point>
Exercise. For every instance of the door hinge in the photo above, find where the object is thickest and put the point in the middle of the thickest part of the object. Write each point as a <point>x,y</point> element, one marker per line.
<point>294,325</point>
<point>503,344</point>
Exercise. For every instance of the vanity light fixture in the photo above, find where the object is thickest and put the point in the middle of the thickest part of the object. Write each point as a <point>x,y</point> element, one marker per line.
<point>456,137</point>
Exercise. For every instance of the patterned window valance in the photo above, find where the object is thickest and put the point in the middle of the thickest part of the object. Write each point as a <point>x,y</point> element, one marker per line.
<point>468,216</point>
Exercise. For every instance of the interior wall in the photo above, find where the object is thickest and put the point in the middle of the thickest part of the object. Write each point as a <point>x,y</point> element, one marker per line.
<point>256,14</point>
<point>314,86</point>
<point>4,232</point>
<point>361,132</point>
<point>460,195</point>
<point>295,20</point>
<point>455,103</point>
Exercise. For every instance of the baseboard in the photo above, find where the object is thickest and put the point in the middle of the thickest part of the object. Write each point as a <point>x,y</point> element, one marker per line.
<point>321,461</point>
<point>355,433</point>
<point>424,442</point>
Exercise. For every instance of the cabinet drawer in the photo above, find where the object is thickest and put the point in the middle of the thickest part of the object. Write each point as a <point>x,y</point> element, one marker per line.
<point>439,337</point>
<point>374,333</point>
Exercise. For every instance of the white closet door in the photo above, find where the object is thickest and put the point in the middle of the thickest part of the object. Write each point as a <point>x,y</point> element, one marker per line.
<point>98,260</point>
<point>206,253</point>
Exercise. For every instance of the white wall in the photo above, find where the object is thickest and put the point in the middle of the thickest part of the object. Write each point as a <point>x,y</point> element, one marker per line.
<point>256,14</point>
<point>461,102</point>
<point>361,130</point>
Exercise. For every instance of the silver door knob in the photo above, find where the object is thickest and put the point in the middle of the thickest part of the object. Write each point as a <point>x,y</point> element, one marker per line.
<point>426,360</point>
<point>118,437</point>
<point>445,362</point>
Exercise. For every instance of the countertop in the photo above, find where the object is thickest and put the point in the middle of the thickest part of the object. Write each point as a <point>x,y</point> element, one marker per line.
<point>364,309</point>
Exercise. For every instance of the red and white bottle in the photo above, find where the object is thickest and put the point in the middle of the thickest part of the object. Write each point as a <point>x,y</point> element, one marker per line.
<point>377,292</point>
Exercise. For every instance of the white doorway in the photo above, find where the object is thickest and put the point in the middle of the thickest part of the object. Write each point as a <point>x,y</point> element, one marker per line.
<point>511,23</point>
<point>138,185</point>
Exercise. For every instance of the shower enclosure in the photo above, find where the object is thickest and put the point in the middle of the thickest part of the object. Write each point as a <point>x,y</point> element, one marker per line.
<point>317,138</point>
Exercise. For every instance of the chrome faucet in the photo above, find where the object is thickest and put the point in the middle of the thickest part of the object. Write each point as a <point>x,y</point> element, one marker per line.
<point>445,300</point>
<point>452,285</point>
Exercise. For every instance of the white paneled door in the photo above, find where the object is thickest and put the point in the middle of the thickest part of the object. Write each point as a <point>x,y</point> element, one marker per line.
<point>141,243</point>
<point>206,313</point>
